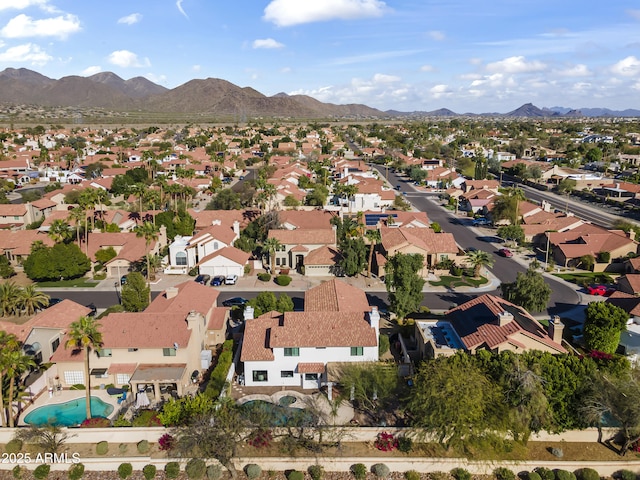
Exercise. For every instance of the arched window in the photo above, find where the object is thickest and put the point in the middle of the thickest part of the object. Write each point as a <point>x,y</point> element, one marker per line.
<point>181,258</point>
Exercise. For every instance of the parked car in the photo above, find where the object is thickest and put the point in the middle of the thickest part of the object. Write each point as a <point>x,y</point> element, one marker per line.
<point>93,311</point>
<point>481,221</point>
<point>217,281</point>
<point>231,280</point>
<point>54,301</point>
<point>235,302</point>
<point>203,279</point>
<point>505,252</point>
<point>123,280</point>
<point>600,290</point>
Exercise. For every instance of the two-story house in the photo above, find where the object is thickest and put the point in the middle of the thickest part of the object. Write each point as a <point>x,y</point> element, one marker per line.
<point>296,244</point>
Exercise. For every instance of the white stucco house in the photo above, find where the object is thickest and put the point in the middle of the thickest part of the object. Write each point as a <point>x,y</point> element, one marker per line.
<point>225,261</point>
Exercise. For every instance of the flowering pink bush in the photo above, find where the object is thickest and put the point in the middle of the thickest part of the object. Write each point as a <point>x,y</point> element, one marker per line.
<point>166,442</point>
<point>260,438</point>
<point>598,355</point>
<point>386,442</point>
<point>95,422</point>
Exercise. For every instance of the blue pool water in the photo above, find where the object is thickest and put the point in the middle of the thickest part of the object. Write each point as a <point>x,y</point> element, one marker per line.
<point>69,413</point>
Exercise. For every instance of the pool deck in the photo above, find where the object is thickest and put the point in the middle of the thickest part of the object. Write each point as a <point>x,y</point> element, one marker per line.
<point>63,396</point>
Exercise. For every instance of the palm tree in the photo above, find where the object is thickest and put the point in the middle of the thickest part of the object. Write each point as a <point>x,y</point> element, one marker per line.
<point>17,362</point>
<point>76,216</point>
<point>271,245</point>
<point>138,189</point>
<point>373,236</point>
<point>84,334</point>
<point>88,199</point>
<point>518,195</point>
<point>8,343</point>
<point>59,231</point>
<point>9,293</point>
<point>101,197</point>
<point>150,233</point>
<point>479,259</point>
<point>32,300</point>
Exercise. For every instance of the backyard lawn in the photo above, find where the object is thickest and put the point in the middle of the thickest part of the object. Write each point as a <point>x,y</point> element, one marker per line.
<point>450,281</point>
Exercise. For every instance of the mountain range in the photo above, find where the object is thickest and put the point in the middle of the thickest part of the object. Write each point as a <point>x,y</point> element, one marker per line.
<point>217,97</point>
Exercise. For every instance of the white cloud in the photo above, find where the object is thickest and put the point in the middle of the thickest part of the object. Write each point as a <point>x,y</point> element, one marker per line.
<point>440,91</point>
<point>196,68</point>
<point>267,43</point>
<point>634,14</point>
<point>636,86</point>
<point>627,67</point>
<point>179,5</point>
<point>25,26</point>
<point>27,53</point>
<point>579,70</point>
<point>285,70</point>
<point>285,13</point>
<point>87,72</point>
<point>427,68</point>
<point>125,59</point>
<point>130,19</point>
<point>515,65</point>
<point>22,4</point>
<point>382,78</point>
<point>436,35</point>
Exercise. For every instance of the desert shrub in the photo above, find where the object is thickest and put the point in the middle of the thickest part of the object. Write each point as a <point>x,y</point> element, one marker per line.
<point>557,452</point>
<point>261,438</point>
<point>42,471</point>
<point>283,280</point>
<point>17,471</point>
<point>411,475</point>
<point>172,470</point>
<point>439,476</point>
<point>147,418</point>
<point>295,475</point>
<point>122,448</point>
<point>149,471</point>
<point>545,473</point>
<point>214,472</point>
<point>165,442</point>
<point>196,468</point>
<point>461,474</point>
<point>13,446</point>
<point>102,448</point>
<point>503,473</point>
<point>533,476</point>
<point>95,422</point>
<point>143,446</point>
<point>76,471</point>
<point>359,471</point>
<point>264,277</point>
<point>316,472</point>
<point>625,475</point>
<point>587,474</point>
<point>564,475</point>
<point>252,471</point>
<point>125,470</point>
<point>380,470</point>
<point>405,444</point>
<point>383,344</point>
<point>385,442</point>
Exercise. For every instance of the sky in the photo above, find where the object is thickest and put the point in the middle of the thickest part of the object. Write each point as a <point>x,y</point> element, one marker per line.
<point>407,55</point>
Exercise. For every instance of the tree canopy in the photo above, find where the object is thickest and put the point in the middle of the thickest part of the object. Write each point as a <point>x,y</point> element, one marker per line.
<point>604,322</point>
<point>404,282</point>
<point>529,290</point>
<point>135,293</point>
<point>62,261</point>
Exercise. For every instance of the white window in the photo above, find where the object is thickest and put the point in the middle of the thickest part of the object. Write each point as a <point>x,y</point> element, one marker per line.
<point>122,378</point>
<point>215,245</point>
<point>74,377</point>
<point>181,258</point>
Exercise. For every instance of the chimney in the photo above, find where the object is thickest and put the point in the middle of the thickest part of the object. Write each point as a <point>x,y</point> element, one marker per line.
<point>632,234</point>
<point>193,318</point>
<point>555,329</point>
<point>504,318</point>
<point>374,319</point>
<point>248,312</point>
<point>171,292</point>
<point>236,228</point>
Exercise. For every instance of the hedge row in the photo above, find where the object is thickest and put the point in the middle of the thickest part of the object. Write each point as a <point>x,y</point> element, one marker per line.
<point>219,374</point>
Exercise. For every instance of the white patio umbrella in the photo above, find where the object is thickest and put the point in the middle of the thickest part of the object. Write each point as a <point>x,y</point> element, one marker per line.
<point>142,400</point>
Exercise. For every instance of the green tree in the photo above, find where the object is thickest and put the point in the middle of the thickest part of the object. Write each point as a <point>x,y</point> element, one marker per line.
<point>61,261</point>
<point>59,231</point>
<point>284,303</point>
<point>373,238</point>
<point>587,262</point>
<point>135,293</point>
<point>149,232</point>
<point>105,254</point>
<point>31,300</point>
<point>604,322</point>
<point>264,302</point>
<point>479,259</point>
<point>6,270</point>
<point>8,343</point>
<point>530,291</point>
<point>17,363</point>
<point>404,283</point>
<point>84,334</point>
<point>226,199</point>
<point>371,386</point>
<point>566,186</point>
<point>318,196</point>
<point>9,294</point>
<point>354,256</point>
<point>272,245</point>
<point>511,232</point>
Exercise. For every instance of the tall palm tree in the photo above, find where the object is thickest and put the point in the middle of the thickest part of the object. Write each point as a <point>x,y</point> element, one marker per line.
<point>373,236</point>
<point>150,233</point>
<point>8,343</point>
<point>479,259</point>
<point>518,195</point>
<point>89,200</point>
<point>271,245</point>
<point>101,197</point>
<point>9,293</point>
<point>76,215</point>
<point>84,334</point>
<point>59,231</point>
<point>31,300</point>
<point>17,362</point>
<point>138,189</point>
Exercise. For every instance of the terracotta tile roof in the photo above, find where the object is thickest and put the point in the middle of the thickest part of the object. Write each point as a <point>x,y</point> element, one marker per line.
<point>335,296</point>
<point>13,210</point>
<point>232,253</point>
<point>19,242</point>
<point>476,322</point>
<point>223,233</point>
<point>299,248</point>
<point>116,368</point>
<point>592,244</point>
<point>423,238</point>
<point>635,263</point>
<point>218,318</point>
<point>191,296</point>
<point>630,281</point>
<point>322,256</point>
<point>43,203</point>
<point>311,367</point>
<point>205,218</point>
<point>255,343</point>
<point>304,236</point>
<point>313,219</point>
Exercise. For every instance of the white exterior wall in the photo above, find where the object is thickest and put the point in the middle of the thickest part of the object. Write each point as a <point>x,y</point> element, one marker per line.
<point>208,247</point>
<point>221,266</point>
<point>180,245</point>
<point>317,270</point>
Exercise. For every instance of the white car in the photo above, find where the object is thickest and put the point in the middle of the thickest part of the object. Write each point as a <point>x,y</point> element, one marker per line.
<point>231,279</point>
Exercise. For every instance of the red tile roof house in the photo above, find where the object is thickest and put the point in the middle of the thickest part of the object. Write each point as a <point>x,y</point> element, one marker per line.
<point>16,244</point>
<point>295,348</point>
<point>19,215</point>
<point>160,347</point>
<point>225,261</point>
<point>297,244</point>
<point>488,323</point>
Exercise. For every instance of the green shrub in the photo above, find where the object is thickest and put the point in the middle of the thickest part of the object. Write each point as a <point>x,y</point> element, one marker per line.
<point>172,470</point>
<point>587,474</point>
<point>405,444</point>
<point>76,471</point>
<point>42,471</point>
<point>125,470</point>
<point>456,271</point>
<point>147,418</point>
<point>121,422</point>
<point>625,475</point>
<point>252,471</point>
<point>17,471</point>
<point>316,472</point>
<point>143,446</point>
<point>411,475</point>
<point>460,474</point>
<point>439,476</point>
<point>102,448</point>
<point>545,473</point>
<point>503,473</point>
<point>149,471</point>
<point>557,452</point>
<point>196,468</point>
<point>122,448</point>
<point>13,446</point>
<point>380,470</point>
<point>283,280</point>
<point>218,377</point>
<point>359,471</point>
<point>533,476</point>
<point>214,472</point>
<point>564,475</point>
<point>295,475</point>
<point>264,277</point>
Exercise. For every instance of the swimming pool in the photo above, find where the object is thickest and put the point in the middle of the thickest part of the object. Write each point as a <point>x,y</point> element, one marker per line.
<point>69,413</point>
